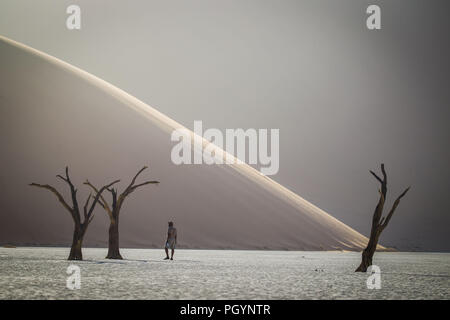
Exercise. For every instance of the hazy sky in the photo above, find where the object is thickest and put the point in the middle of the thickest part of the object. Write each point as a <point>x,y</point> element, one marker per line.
<point>344,98</point>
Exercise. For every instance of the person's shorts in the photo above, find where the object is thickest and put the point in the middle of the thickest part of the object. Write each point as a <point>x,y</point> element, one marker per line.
<point>170,244</point>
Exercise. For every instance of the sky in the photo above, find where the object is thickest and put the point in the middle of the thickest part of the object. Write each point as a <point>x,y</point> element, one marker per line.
<point>344,98</point>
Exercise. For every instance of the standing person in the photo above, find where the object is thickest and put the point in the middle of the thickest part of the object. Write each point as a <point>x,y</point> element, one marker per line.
<point>171,240</point>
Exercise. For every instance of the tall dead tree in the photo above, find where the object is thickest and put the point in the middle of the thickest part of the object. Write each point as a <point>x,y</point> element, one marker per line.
<point>113,211</point>
<point>378,223</point>
<point>80,226</point>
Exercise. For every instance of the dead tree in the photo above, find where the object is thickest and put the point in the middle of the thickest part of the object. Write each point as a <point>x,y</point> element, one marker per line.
<point>378,223</point>
<point>113,211</point>
<point>80,227</point>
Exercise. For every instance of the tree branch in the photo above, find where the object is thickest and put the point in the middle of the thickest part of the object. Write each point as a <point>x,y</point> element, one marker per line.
<point>135,177</point>
<point>62,178</point>
<point>58,195</point>
<point>384,173</point>
<point>114,197</point>
<point>131,187</point>
<point>394,206</point>
<point>382,181</point>
<point>102,201</point>
<point>143,184</point>
<point>73,192</point>
<point>378,212</point>
<point>86,205</point>
<point>376,176</point>
<point>89,214</point>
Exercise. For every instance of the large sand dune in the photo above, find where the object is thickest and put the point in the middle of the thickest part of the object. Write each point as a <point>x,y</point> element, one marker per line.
<point>54,114</point>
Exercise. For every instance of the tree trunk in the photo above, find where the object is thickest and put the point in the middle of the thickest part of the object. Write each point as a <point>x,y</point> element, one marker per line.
<point>75,250</point>
<point>366,261</point>
<point>369,251</point>
<point>113,244</point>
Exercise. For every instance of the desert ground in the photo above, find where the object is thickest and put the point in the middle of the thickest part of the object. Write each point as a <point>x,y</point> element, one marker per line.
<point>40,273</point>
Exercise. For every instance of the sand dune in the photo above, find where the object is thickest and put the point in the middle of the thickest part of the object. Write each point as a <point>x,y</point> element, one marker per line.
<point>54,114</point>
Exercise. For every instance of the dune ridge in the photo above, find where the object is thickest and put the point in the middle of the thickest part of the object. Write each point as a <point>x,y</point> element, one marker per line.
<point>320,231</point>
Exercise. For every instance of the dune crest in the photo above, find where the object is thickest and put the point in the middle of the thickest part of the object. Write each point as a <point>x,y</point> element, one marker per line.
<point>55,113</point>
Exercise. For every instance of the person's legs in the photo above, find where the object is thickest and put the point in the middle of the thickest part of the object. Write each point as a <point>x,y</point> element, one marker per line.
<point>173,251</point>
<point>167,252</point>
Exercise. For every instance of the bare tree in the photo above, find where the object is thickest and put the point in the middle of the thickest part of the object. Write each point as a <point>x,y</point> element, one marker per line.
<point>80,227</point>
<point>113,211</point>
<point>378,223</point>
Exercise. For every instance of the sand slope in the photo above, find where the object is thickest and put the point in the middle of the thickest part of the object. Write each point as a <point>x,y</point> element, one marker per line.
<point>54,114</point>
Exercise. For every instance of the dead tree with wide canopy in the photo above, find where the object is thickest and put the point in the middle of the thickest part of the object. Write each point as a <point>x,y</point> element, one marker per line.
<point>378,223</point>
<point>80,226</point>
<point>113,211</point>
